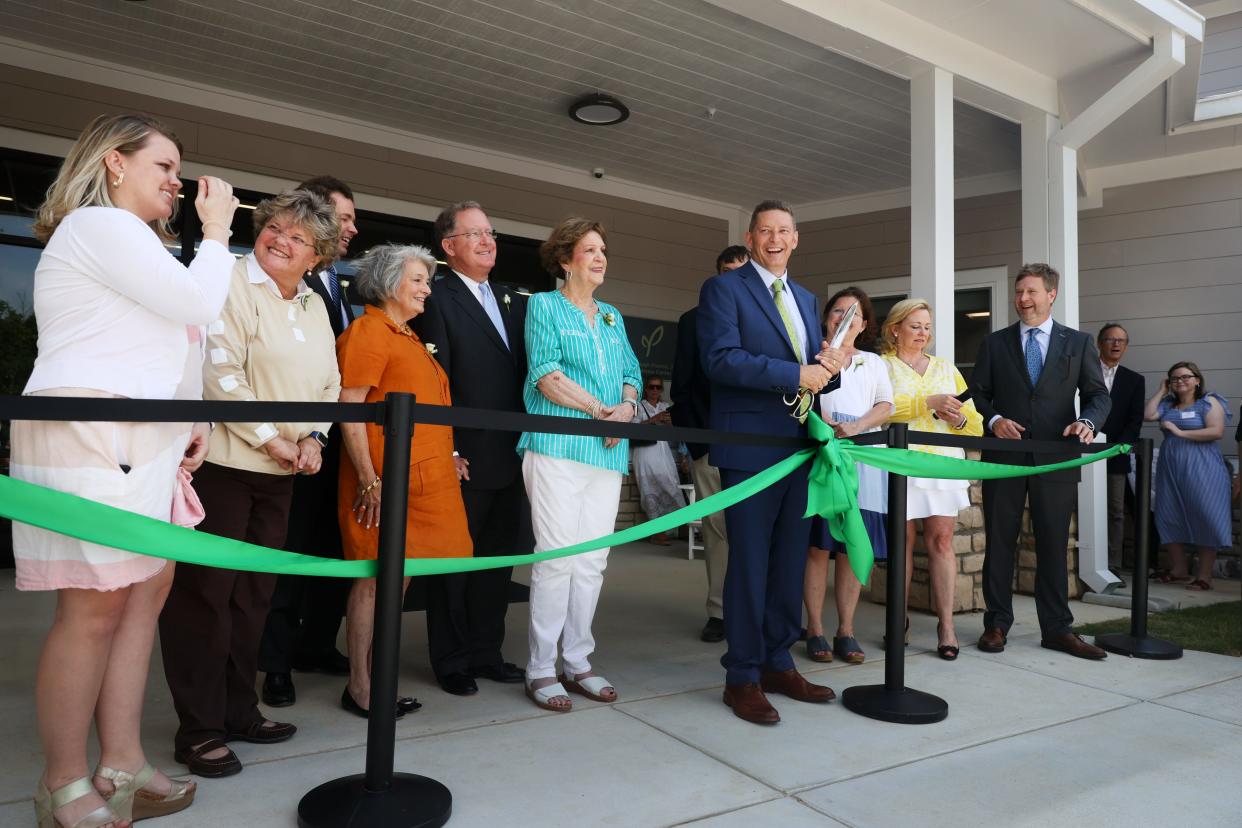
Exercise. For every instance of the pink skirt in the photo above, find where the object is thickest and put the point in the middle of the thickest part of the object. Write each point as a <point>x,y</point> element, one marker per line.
<point>86,459</point>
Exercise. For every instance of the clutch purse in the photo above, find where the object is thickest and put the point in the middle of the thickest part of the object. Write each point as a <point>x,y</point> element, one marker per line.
<point>187,509</point>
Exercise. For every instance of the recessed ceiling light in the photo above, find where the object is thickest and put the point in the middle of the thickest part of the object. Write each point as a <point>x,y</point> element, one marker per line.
<point>598,110</point>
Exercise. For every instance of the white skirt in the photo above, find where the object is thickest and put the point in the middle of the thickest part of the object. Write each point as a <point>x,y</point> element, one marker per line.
<point>85,459</point>
<point>939,499</point>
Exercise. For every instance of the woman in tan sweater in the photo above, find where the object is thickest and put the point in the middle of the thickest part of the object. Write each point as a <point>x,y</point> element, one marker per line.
<point>272,342</point>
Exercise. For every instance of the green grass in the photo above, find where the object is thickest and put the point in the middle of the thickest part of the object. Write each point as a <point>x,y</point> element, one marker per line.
<point>1216,628</point>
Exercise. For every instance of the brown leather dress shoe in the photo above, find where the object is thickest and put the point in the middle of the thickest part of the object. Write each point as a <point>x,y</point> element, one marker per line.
<point>749,704</point>
<point>993,640</point>
<point>792,683</point>
<point>1074,645</point>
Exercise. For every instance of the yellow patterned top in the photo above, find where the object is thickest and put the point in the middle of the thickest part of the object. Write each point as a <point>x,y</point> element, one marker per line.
<point>910,393</point>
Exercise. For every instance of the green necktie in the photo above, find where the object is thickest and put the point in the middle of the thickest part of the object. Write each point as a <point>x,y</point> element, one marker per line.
<point>778,287</point>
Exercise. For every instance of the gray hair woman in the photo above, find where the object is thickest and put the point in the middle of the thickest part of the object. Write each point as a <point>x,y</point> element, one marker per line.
<point>272,342</point>
<point>379,354</point>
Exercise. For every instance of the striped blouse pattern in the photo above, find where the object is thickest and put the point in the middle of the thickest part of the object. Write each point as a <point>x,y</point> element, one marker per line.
<point>597,357</point>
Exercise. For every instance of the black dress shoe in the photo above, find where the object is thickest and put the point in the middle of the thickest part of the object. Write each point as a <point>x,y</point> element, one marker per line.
<point>459,684</point>
<point>405,704</point>
<point>348,703</point>
<point>713,631</point>
<point>331,663</point>
<point>505,673</point>
<point>278,690</point>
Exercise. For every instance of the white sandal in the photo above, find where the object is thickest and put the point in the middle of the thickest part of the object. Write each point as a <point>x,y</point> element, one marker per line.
<point>543,696</point>
<point>592,687</point>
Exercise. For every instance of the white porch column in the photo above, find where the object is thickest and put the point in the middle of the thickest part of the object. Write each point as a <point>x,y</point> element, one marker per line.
<point>931,200</point>
<point>1037,128</point>
<point>1063,230</point>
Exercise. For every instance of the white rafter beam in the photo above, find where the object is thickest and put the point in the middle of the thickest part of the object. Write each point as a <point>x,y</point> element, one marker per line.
<point>1168,55</point>
<point>895,33</point>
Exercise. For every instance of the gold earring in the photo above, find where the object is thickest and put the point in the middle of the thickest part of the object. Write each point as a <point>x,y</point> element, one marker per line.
<point>119,178</point>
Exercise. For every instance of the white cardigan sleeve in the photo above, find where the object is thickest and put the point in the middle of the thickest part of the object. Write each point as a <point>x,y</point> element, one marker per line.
<point>115,247</point>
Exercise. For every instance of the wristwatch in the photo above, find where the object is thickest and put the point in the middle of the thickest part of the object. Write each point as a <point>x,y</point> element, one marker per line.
<point>320,438</point>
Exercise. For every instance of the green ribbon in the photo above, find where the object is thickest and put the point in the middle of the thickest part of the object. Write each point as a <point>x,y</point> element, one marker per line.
<point>832,493</point>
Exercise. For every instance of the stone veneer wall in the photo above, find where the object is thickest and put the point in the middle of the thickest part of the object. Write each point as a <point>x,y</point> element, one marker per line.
<point>968,546</point>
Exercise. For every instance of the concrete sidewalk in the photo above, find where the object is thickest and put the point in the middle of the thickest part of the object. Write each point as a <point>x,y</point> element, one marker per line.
<point>1033,737</point>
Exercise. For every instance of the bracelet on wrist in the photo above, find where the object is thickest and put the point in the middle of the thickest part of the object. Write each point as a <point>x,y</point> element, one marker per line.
<point>227,232</point>
<point>364,490</point>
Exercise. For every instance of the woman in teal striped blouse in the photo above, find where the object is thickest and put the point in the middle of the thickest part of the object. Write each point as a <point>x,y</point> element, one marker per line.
<point>581,365</point>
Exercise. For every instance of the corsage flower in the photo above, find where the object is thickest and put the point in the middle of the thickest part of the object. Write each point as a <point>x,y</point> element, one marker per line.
<point>431,348</point>
<point>610,319</point>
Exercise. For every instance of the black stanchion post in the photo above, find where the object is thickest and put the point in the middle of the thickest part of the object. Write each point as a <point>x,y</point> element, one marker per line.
<point>892,701</point>
<point>1137,643</point>
<point>381,797</point>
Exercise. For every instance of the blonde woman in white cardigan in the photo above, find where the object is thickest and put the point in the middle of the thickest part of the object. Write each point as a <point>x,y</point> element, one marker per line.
<point>114,311</point>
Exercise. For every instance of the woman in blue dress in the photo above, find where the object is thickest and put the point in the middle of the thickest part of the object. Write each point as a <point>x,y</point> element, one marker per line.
<point>1192,478</point>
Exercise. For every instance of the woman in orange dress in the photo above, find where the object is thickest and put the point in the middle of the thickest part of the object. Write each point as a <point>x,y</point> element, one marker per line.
<point>378,354</point>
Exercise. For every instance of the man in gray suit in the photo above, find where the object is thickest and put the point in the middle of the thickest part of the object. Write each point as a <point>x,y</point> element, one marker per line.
<point>1023,384</point>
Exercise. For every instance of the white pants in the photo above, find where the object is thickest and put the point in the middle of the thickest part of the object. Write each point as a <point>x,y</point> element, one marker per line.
<point>570,502</point>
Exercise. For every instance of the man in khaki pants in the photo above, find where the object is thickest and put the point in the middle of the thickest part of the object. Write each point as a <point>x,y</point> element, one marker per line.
<point>691,394</point>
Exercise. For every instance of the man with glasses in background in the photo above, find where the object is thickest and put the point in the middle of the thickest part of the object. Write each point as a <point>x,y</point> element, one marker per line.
<point>477,330</point>
<point>1128,391</point>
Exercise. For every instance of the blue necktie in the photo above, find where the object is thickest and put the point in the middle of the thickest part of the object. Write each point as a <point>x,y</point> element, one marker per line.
<point>1034,359</point>
<point>334,287</point>
<point>493,312</point>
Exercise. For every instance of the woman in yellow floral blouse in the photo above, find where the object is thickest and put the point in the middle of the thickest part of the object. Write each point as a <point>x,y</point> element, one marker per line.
<point>924,389</point>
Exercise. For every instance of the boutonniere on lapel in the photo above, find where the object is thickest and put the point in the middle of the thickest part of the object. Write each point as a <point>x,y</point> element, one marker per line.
<point>858,362</point>
<point>431,348</point>
<point>610,319</point>
<point>303,299</point>
<point>508,301</point>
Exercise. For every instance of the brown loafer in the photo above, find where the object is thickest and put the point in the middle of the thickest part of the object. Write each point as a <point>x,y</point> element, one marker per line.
<point>993,640</point>
<point>749,704</point>
<point>791,683</point>
<point>1074,645</point>
<point>256,733</point>
<point>225,765</point>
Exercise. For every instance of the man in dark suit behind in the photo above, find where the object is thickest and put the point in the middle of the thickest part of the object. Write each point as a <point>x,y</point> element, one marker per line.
<point>692,398</point>
<point>758,334</point>
<point>305,615</point>
<point>1023,384</point>
<point>1128,391</point>
<point>477,329</point>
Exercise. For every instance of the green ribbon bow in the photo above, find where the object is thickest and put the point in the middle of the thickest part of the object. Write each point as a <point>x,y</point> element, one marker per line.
<point>832,493</point>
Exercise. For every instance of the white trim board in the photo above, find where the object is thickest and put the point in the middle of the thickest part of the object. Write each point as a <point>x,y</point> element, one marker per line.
<point>54,145</point>
<point>115,75</point>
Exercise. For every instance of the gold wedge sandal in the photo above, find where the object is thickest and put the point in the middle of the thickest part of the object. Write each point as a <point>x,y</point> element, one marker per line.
<point>45,802</point>
<point>130,800</point>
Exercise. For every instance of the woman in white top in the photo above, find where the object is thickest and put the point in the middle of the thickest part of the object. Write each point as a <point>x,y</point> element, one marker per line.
<point>117,317</point>
<point>862,403</point>
<point>655,467</point>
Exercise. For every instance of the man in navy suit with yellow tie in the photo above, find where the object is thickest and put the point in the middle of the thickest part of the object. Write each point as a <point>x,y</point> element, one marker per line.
<point>758,336</point>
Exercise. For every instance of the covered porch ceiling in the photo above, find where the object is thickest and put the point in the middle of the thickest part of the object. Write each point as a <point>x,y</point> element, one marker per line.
<point>732,101</point>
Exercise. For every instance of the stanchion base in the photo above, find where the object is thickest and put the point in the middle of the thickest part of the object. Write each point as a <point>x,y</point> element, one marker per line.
<point>411,802</point>
<point>1125,644</point>
<point>903,706</point>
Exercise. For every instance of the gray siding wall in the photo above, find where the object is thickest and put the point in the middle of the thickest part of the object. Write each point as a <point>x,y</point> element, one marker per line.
<point>1221,70</point>
<point>1165,260</point>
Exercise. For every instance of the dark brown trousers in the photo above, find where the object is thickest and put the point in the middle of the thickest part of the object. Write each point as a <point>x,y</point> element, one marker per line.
<point>213,620</point>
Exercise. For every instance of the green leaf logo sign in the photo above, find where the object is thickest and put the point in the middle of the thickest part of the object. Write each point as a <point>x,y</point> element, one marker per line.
<point>652,340</point>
